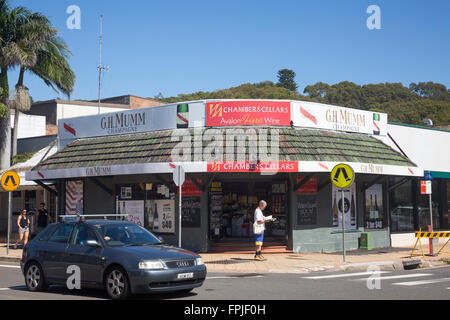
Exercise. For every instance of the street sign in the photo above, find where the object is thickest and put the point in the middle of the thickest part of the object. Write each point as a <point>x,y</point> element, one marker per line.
<point>428,175</point>
<point>342,175</point>
<point>425,186</point>
<point>178,175</point>
<point>178,178</point>
<point>10,181</point>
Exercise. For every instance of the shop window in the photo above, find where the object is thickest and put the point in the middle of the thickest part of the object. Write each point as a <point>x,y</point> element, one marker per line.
<point>30,200</point>
<point>149,205</point>
<point>447,201</point>
<point>423,207</point>
<point>402,207</point>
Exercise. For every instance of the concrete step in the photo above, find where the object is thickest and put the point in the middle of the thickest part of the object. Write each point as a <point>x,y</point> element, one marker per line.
<point>248,247</point>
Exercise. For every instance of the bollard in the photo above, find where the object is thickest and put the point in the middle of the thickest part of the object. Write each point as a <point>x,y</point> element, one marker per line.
<point>430,243</point>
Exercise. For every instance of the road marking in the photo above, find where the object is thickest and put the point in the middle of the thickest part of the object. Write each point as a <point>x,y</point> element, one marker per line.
<point>397,277</point>
<point>231,277</point>
<point>13,288</point>
<point>9,266</point>
<point>417,283</point>
<point>346,275</point>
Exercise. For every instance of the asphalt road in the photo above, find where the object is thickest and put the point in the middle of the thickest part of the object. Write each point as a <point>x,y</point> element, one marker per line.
<point>420,284</point>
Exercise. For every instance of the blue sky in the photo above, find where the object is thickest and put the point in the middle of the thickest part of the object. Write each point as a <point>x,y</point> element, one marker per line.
<point>185,46</point>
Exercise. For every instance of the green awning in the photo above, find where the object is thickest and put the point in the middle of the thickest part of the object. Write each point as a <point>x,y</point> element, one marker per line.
<point>295,144</point>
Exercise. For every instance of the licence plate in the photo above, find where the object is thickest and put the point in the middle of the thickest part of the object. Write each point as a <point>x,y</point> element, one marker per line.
<point>185,275</point>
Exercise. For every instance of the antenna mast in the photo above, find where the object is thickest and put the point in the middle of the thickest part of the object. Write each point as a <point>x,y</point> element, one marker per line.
<point>100,66</point>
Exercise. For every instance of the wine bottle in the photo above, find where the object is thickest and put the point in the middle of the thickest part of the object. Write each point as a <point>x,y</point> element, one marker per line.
<point>353,212</point>
<point>335,211</point>
<point>155,219</point>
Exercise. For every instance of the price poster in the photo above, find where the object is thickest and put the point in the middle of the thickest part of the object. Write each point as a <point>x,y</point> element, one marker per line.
<point>134,209</point>
<point>163,216</point>
<point>374,207</point>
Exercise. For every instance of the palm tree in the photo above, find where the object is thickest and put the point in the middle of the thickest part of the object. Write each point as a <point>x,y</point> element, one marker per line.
<point>10,21</point>
<point>35,47</point>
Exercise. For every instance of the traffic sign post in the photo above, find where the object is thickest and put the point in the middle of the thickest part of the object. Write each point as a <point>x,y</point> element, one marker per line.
<point>10,181</point>
<point>178,179</point>
<point>426,188</point>
<point>342,176</point>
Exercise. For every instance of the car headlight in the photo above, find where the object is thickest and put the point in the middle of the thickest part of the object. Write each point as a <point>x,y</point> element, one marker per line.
<point>199,262</point>
<point>151,265</point>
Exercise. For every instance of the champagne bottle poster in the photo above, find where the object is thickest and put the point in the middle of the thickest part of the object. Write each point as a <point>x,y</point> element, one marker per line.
<point>133,208</point>
<point>374,207</point>
<point>350,207</point>
<point>161,215</point>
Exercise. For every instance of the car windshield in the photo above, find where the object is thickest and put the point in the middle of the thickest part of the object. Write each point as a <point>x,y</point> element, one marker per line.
<point>128,234</point>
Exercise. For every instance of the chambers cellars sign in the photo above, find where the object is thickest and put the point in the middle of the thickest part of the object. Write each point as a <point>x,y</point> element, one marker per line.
<point>248,113</point>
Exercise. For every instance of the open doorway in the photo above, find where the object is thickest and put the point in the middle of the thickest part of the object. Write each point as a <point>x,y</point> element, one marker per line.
<point>232,207</point>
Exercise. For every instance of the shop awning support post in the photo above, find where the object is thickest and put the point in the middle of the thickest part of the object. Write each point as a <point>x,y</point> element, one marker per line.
<point>9,221</point>
<point>179,205</point>
<point>343,226</point>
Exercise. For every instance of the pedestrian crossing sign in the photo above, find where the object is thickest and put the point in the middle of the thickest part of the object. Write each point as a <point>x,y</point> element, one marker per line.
<point>10,180</point>
<point>342,175</point>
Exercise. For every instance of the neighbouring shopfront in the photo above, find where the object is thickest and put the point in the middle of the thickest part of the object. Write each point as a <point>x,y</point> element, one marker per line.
<point>235,153</point>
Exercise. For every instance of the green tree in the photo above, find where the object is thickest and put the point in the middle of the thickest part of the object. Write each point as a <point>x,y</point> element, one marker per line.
<point>39,50</point>
<point>286,79</point>
<point>29,41</point>
<point>430,90</point>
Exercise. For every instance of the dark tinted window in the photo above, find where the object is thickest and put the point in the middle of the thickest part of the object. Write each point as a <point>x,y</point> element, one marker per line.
<point>82,234</point>
<point>61,234</point>
<point>44,234</point>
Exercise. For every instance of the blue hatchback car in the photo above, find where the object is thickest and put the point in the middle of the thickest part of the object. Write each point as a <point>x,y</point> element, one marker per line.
<point>119,256</point>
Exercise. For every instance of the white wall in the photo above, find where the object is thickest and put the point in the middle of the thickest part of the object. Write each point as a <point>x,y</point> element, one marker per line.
<point>29,126</point>
<point>65,111</point>
<point>429,149</point>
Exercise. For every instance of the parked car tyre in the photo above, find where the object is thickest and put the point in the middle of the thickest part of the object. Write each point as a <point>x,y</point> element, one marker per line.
<point>117,284</point>
<point>34,278</point>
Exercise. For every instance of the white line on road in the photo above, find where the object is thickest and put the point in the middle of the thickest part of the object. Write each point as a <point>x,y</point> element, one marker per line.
<point>9,266</point>
<point>346,275</point>
<point>13,288</point>
<point>230,277</point>
<point>397,277</point>
<point>417,283</point>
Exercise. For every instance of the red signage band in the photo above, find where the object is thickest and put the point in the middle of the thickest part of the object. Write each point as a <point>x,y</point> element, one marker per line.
<point>70,129</point>
<point>244,166</point>
<point>247,113</point>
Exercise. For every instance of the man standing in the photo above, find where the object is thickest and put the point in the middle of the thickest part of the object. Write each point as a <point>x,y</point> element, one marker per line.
<point>260,219</point>
<point>42,218</point>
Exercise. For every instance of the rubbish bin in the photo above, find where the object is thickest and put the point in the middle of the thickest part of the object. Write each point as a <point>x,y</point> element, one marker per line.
<point>365,241</point>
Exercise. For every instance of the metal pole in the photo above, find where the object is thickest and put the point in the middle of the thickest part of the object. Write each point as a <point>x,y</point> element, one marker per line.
<point>431,224</point>
<point>9,220</point>
<point>343,226</point>
<point>179,205</point>
<point>100,64</point>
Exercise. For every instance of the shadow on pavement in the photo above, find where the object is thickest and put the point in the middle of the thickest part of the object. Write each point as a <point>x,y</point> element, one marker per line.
<point>99,294</point>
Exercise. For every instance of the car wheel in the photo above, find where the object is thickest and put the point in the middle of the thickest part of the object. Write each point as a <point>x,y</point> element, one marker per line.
<point>34,278</point>
<point>117,285</point>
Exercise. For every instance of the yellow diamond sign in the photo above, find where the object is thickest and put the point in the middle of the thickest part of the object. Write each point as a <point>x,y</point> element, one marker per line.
<point>10,180</point>
<point>342,175</point>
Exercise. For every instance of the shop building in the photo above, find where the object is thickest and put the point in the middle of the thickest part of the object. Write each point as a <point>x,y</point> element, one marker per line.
<point>234,153</point>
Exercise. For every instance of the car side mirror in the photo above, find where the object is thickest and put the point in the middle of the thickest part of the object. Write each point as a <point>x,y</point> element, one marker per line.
<point>92,243</point>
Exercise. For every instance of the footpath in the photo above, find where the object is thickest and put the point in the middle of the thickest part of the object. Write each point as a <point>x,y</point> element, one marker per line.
<point>385,259</point>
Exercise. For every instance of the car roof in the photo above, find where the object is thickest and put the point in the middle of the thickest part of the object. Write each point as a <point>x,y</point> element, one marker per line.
<point>97,222</point>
